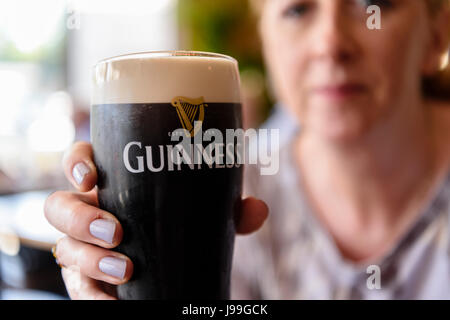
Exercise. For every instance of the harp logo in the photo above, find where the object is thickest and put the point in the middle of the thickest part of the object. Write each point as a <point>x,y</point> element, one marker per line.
<point>190,111</point>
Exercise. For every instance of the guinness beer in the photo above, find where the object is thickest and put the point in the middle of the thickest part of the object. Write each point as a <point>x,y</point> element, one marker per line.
<point>165,172</point>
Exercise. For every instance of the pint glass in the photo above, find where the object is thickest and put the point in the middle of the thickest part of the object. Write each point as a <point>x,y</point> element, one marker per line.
<point>159,122</point>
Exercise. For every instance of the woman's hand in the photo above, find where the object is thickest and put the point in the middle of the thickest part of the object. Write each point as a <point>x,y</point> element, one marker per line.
<point>90,269</point>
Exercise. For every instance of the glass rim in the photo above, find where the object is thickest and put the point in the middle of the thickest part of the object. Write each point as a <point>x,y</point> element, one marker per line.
<point>167,54</point>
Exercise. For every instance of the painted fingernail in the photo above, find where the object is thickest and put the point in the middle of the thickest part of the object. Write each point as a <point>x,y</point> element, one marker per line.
<point>103,229</point>
<point>80,170</point>
<point>113,266</point>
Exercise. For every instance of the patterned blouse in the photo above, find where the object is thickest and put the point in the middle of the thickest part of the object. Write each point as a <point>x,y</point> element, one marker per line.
<point>294,257</point>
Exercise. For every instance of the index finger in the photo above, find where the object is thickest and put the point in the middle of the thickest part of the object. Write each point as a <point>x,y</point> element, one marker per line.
<point>79,167</point>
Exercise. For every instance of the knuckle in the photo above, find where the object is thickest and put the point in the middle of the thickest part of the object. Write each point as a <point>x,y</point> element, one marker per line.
<point>61,245</point>
<point>48,204</point>
<point>51,201</point>
<point>74,255</point>
<point>67,283</point>
<point>79,259</point>
<point>60,250</point>
<point>73,218</point>
<point>72,280</point>
<point>87,260</point>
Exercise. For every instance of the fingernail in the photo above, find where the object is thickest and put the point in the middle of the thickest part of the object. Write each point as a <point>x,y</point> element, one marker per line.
<point>79,171</point>
<point>103,229</point>
<point>113,266</point>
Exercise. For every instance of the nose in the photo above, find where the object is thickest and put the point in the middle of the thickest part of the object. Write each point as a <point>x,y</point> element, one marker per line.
<point>335,38</point>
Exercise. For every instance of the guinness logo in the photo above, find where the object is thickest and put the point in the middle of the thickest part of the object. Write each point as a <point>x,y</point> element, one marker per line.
<point>189,111</point>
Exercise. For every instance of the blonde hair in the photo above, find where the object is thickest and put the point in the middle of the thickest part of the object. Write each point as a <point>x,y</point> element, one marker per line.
<point>436,86</point>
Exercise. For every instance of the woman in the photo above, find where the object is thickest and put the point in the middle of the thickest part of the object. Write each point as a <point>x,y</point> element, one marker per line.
<point>365,182</point>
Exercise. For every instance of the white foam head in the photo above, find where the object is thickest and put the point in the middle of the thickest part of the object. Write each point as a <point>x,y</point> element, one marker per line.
<point>158,77</point>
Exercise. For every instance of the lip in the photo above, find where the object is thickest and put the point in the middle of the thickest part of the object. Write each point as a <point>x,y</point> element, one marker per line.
<point>341,91</point>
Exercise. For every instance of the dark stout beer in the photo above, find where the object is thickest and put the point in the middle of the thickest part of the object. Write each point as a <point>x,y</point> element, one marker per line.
<point>177,211</point>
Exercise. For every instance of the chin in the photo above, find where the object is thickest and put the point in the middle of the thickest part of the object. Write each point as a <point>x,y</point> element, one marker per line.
<point>340,131</point>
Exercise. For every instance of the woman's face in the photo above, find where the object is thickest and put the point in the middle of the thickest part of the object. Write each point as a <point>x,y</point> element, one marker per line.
<point>340,78</point>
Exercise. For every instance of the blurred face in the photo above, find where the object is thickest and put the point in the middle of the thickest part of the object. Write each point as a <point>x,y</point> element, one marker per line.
<point>340,78</point>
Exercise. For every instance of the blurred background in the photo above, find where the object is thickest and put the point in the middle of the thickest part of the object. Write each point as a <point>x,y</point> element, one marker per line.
<point>47,49</point>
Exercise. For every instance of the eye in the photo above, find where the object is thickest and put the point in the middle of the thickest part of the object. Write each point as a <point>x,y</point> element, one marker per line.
<point>296,10</point>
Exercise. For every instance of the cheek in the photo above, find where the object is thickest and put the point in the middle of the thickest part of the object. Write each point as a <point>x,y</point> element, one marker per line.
<point>394,57</point>
<point>284,51</point>
<point>294,80</point>
<point>285,62</point>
